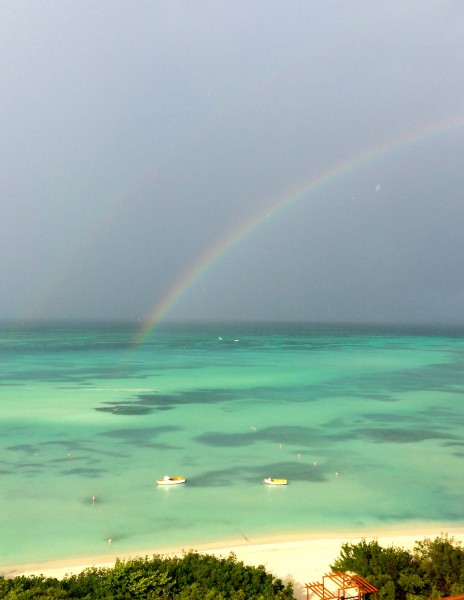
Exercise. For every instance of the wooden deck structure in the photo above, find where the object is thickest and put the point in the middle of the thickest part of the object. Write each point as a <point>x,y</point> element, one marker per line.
<point>341,586</point>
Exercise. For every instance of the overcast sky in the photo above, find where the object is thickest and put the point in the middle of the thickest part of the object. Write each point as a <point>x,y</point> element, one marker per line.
<point>137,135</point>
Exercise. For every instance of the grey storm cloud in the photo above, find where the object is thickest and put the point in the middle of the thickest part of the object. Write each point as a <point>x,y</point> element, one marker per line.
<point>143,145</point>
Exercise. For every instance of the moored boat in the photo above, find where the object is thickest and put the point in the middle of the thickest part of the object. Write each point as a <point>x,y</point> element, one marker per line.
<point>272,481</point>
<point>170,480</point>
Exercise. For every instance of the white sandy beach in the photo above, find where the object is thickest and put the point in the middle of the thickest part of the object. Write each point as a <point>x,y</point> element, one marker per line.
<point>298,561</point>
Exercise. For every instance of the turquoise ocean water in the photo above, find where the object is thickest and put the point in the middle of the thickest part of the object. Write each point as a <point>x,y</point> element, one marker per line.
<point>85,412</point>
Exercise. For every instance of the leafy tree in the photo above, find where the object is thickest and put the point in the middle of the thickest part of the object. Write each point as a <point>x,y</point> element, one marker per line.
<point>386,568</point>
<point>441,564</point>
<point>5,585</point>
<point>434,569</point>
<point>88,584</point>
<point>190,577</point>
<point>136,578</point>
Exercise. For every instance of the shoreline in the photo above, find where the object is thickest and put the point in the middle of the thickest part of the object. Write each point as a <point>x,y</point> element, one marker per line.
<point>299,559</point>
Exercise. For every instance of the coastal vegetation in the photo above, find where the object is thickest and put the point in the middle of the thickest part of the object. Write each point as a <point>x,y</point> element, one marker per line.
<point>432,569</point>
<point>193,576</point>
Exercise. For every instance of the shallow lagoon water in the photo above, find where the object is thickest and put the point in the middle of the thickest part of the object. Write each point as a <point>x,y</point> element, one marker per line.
<point>366,424</point>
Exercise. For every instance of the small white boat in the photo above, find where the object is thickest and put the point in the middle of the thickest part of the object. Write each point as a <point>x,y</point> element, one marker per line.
<point>271,481</point>
<point>170,480</point>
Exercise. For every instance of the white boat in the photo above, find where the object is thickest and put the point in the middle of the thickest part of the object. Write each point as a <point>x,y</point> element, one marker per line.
<point>272,481</point>
<point>170,480</point>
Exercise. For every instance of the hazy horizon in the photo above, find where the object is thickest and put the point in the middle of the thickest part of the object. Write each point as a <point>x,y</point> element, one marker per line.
<point>264,324</point>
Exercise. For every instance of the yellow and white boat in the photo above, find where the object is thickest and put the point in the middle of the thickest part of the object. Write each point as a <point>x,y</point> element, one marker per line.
<point>170,480</point>
<point>271,481</point>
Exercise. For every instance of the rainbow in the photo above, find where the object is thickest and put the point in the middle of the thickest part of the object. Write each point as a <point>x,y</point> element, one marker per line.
<point>217,251</point>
